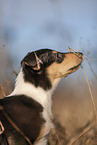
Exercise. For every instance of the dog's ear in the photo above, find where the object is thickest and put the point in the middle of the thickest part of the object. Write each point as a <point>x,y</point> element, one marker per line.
<point>32,61</point>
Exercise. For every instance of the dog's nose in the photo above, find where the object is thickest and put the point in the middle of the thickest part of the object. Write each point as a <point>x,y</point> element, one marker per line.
<point>79,54</point>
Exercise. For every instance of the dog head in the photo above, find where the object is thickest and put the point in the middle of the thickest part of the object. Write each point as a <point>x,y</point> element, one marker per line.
<point>43,67</point>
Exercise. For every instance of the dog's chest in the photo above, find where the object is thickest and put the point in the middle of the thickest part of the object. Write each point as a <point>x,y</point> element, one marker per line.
<point>47,115</point>
<point>44,134</point>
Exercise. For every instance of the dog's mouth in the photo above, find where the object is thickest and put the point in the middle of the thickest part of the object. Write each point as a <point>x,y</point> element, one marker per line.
<point>75,68</point>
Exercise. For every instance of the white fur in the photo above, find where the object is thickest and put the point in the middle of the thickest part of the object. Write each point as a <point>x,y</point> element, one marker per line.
<point>38,94</point>
<point>28,89</point>
<point>42,142</point>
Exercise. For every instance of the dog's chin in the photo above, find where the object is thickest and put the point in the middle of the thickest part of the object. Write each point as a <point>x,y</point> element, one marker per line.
<point>75,68</point>
<point>71,70</point>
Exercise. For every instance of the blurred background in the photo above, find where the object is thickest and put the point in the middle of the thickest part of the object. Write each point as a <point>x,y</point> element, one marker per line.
<point>29,25</point>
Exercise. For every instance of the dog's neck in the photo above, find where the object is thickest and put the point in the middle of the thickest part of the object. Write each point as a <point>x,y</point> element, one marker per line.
<point>28,89</point>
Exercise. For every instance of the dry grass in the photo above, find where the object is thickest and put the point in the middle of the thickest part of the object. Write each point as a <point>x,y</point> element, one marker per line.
<point>74,116</point>
<point>73,113</point>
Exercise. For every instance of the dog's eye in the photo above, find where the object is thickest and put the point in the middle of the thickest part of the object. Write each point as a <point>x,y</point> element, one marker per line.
<point>59,57</point>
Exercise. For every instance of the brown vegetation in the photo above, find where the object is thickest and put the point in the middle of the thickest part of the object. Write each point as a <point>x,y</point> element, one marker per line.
<point>74,117</point>
<point>73,111</point>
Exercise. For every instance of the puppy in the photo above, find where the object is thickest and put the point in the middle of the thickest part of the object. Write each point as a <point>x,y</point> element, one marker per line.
<point>26,113</point>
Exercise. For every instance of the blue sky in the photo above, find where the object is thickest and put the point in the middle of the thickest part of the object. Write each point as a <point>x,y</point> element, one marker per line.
<point>28,25</point>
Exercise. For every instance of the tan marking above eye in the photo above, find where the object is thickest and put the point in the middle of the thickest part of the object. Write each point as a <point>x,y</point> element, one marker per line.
<point>54,51</point>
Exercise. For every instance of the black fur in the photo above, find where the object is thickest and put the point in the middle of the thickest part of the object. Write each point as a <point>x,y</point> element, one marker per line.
<point>40,78</point>
<point>26,114</point>
<point>3,140</point>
